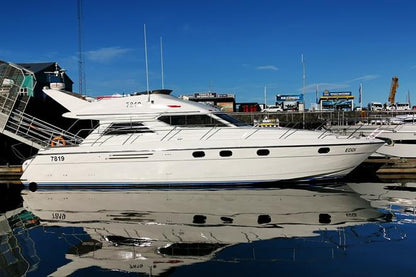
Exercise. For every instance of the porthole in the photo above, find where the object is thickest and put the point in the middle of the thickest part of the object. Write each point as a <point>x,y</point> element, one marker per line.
<point>226,153</point>
<point>324,218</point>
<point>227,219</point>
<point>263,152</point>
<point>323,150</point>
<point>198,154</point>
<point>264,219</point>
<point>199,219</point>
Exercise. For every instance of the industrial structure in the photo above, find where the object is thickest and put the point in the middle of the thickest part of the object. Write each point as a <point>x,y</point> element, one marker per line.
<point>290,102</point>
<point>336,101</point>
<point>393,90</point>
<point>225,101</point>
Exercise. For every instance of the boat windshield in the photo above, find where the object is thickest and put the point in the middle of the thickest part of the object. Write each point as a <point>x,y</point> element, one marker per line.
<point>231,119</point>
<point>192,120</point>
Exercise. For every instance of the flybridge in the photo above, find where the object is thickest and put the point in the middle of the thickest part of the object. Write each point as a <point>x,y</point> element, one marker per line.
<point>157,91</point>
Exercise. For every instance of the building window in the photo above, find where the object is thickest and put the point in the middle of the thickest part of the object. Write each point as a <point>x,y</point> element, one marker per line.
<point>226,153</point>
<point>263,152</point>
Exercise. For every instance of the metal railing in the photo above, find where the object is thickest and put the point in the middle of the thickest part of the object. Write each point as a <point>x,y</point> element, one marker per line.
<point>39,131</point>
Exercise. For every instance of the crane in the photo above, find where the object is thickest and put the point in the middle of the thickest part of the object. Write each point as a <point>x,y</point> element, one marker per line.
<point>393,88</point>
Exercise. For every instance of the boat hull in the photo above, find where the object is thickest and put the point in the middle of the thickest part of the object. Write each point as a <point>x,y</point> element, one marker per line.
<point>180,167</point>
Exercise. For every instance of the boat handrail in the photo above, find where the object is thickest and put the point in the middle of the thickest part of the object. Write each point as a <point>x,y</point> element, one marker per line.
<point>170,131</point>
<point>127,139</point>
<point>293,129</point>
<point>206,133</point>
<point>252,133</point>
<point>375,133</point>
<point>355,130</point>
<point>213,133</point>
<point>324,134</point>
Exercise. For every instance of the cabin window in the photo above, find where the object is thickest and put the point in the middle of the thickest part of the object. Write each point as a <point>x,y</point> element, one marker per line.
<point>192,120</point>
<point>231,119</point>
<point>198,154</point>
<point>323,150</point>
<point>263,152</point>
<point>226,153</point>
<point>126,128</point>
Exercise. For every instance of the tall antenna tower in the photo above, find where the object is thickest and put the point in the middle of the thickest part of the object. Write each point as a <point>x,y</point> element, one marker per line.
<point>303,76</point>
<point>81,74</point>
<point>265,97</point>
<point>161,62</point>
<point>147,66</point>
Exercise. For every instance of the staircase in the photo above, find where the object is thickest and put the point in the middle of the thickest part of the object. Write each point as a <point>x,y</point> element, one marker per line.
<point>16,88</point>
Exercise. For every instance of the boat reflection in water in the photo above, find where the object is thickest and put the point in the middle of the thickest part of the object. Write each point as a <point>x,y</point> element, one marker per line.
<point>397,198</point>
<point>155,231</point>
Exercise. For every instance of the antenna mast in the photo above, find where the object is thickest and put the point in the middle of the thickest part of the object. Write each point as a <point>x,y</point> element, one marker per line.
<point>303,76</point>
<point>161,62</point>
<point>147,67</point>
<point>81,75</point>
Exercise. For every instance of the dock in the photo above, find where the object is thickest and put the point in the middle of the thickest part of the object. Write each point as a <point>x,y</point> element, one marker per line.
<point>397,169</point>
<point>10,172</point>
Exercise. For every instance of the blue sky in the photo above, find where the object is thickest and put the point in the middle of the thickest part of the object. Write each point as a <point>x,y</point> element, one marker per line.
<point>223,46</point>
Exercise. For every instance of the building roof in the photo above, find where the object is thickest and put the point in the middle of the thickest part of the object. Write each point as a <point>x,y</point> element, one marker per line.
<point>40,67</point>
<point>37,67</point>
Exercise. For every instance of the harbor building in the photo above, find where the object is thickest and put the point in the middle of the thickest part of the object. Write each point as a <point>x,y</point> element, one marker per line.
<point>225,101</point>
<point>248,107</point>
<point>292,102</point>
<point>336,101</point>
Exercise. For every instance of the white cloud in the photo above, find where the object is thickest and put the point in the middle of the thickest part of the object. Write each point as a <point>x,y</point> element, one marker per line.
<point>106,54</point>
<point>324,86</point>
<point>337,86</point>
<point>267,67</point>
<point>364,78</point>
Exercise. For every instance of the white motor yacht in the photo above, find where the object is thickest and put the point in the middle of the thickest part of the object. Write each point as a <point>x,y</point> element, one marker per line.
<point>158,139</point>
<point>399,134</point>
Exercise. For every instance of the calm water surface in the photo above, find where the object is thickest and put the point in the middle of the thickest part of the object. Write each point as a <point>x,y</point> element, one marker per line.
<point>298,229</point>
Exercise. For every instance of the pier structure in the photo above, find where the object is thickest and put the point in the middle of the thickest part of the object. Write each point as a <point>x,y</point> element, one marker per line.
<point>17,85</point>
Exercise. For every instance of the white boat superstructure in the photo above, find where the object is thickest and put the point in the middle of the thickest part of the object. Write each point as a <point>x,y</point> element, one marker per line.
<point>159,139</point>
<point>399,134</point>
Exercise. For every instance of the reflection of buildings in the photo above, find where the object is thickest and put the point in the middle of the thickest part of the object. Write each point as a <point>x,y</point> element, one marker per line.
<point>17,249</point>
<point>225,101</point>
<point>394,197</point>
<point>154,231</point>
<point>336,101</point>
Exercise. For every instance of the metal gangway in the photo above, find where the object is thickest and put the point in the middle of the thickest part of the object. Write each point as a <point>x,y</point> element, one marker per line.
<point>16,88</point>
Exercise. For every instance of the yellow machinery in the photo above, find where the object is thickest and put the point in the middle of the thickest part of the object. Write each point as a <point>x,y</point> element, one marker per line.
<point>393,89</point>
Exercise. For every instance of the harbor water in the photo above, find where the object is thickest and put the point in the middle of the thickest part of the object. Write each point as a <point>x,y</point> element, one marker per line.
<point>354,227</point>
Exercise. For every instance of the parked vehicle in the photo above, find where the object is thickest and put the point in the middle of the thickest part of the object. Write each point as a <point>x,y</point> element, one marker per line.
<point>375,106</point>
